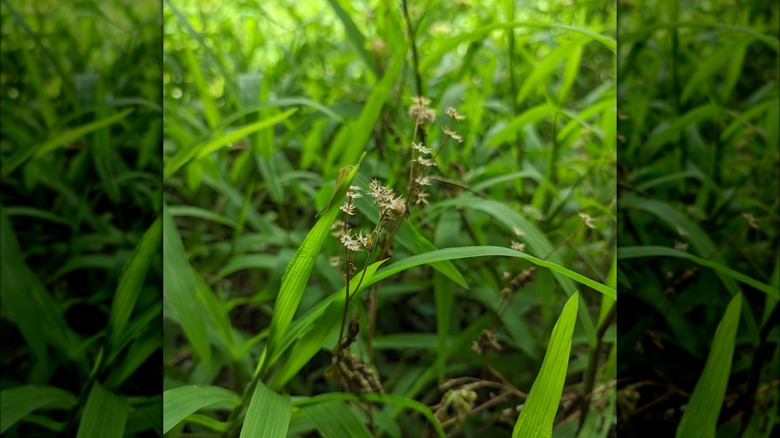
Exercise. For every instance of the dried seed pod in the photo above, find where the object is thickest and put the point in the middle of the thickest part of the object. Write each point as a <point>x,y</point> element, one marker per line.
<point>525,277</point>
<point>686,278</point>
<point>352,331</point>
<point>487,341</point>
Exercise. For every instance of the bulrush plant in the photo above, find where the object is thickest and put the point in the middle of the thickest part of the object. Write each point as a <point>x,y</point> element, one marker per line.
<point>353,373</point>
<point>358,320</point>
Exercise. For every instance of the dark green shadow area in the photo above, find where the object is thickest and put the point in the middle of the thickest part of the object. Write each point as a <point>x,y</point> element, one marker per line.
<point>81,318</point>
<point>698,163</point>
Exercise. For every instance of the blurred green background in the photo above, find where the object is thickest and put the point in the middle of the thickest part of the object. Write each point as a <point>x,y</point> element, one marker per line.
<point>81,91</point>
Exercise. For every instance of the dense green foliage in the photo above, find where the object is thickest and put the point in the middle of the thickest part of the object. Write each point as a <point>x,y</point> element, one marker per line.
<point>80,244</point>
<point>698,222</point>
<point>264,106</point>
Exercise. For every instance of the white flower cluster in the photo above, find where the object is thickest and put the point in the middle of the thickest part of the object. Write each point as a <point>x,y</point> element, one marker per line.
<point>385,198</point>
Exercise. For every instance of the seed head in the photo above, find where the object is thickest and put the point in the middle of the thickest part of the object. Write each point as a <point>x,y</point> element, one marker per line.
<point>452,134</point>
<point>421,147</point>
<point>587,219</point>
<point>426,161</point>
<point>452,112</point>
<point>420,111</point>
<point>517,246</point>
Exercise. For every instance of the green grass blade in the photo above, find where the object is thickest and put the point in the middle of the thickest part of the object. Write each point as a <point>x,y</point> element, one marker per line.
<point>479,33</point>
<point>209,106</point>
<point>541,71</point>
<point>349,147</point>
<point>355,37</point>
<point>268,415</point>
<point>699,240</point>
<point>27,301</point>
<point>201,149</point>
<point>296,276</point>
<point>324,320</point>
<point>334,419</point>
<point>669,133</point>
<point>57,140</point>
<point>201,213</point>
<point>132,279</point>
<point>105,414</point>
<point>179,288</point>
<point>536,418</point>
<point>630,252</point>
<point>404,402</point>
<point>179,403</point>
<point>222,141</point>
<point>700,418</point>
<point>530,116</point>
<point>327,322</point>
<point>484,251</point>
<point>41,95</point>
<point>21,401</point>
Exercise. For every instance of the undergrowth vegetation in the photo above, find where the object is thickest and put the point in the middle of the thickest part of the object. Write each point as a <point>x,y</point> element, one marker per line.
<point>389,218</point>
<point>698,219</point>
<point>81,306</point>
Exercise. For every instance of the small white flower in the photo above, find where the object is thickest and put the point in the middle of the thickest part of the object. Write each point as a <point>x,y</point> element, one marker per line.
<point>334,261</point>
<point>751,220</point>
<point>422,198</point>
<point>587,219</point>
<point>452,134</point>
<point>350,243</point>
<point>420,147</point>
<point>517,246</point>
<point>354,193</point>
<point>680,246</point>
<point>348,209</point>
<point>421,101</point>
<point>426,161</point>
<point>423,180</point>
<point>681,231</point>
<point>506,274</point>
<point>518,231</point>
<point>452,112</point>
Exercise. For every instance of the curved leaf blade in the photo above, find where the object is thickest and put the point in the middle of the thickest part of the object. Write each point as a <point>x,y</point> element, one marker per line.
<point>536,418</point>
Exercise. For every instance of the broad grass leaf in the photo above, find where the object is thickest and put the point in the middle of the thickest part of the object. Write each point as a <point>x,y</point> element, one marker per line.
<point>20,401</point>
<point>194,69</point>
<point>179,403</point>
<point>630,252</point>
<point>316,326</point>
<point>206,146</point>
<point>484,251</point>
<point>58,139</point>
<point>537,79</point>
<point>180,290</point>
<point>355,37</point>
<point>131,280</point>
<point>298,271</point>
<point>268,415</point>
<point>698,238</point>
<point>479,34</point>
<point>351,143</point>
<point>334,419</point>
<point>536,418</point>
<point>104,416</point>
<point>400,401</point>
<point>28,303</point>
<point>669,133</point>
<point>700,418</point>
